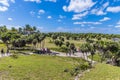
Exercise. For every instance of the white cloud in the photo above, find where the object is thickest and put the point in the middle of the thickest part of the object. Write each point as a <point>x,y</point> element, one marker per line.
<point>51,0</point>
<point>100,11</point>
<point>4,4</point>
<point>105,19</point>
<point>64,8</point>
<point>10,19</point>
<point>83,7</point>
<point>79,16</point>
<point>117,24</point>
<point>105,5</point>
<point>37,1</point>
<point>114,9</point>
<point>13,1</point>
<point>3,8</point>
<point>87,23</point>
<point>78,5</point>
<point>41,11</point>
<point>49,17</point>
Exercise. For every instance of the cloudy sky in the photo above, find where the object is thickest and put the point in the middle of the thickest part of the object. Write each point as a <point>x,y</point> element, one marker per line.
<point>99,16</point>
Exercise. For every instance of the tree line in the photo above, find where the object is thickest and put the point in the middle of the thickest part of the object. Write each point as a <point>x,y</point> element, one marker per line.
<point>107,45</point>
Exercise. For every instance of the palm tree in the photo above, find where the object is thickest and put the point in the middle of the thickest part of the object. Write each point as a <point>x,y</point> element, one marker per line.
<point>67,44</point>
<point>92,51</point>
<point>6,38</point>
<point>34,42</point>
<point>28,29</point>
<point>82,48</point>
<point>72,48</point>
<point>117,58</point>
<point>34,28</point>
<point>20,30</point>
<point>54,37</point>
<point>3,28</point>
<point>13,29</point>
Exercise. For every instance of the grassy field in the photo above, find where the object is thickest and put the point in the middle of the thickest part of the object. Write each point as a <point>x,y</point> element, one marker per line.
<point>37,67</point>
<point>102,72</point>
<point>49,43</point>
<point>76,42</point>
<point>41,67</point>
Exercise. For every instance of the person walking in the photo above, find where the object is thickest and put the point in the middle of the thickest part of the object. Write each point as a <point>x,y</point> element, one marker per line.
<point>2,52</point>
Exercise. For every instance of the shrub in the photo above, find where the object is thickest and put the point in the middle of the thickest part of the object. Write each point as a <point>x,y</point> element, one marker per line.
<point>14,56</point>
<point>61,49</point>
<point>84,66</point>
<point>75,71</point>
<point>66,70</point>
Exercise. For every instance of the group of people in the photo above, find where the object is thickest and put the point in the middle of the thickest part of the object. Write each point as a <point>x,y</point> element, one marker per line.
<point>3,53</point>
<point>44,51</point>
<point>47,51</point>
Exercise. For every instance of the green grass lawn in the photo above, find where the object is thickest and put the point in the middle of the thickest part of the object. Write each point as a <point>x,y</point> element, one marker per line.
<point>49,43</point>
<point>102,72</point>
<point>37,67</point>
<point>76,42</point>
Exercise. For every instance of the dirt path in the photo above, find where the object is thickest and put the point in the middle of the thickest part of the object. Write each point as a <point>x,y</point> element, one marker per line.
<point>77,54</point>
<point>4,55</point>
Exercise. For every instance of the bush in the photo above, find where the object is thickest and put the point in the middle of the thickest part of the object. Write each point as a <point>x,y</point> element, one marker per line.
<point>66,70</point>
<point>14,56</point>
<point>61,49</point>
<point>50,41</point>
<point>84,66</point>
<point>75,71</point>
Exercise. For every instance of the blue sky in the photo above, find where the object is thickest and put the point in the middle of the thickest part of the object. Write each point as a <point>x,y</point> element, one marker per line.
<point>97,16</point>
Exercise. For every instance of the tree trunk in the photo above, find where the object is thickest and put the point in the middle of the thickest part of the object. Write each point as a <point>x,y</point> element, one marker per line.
<point>83,55</point>
<point>92,60</point>
<point>86,56</point>
<point>102,56</point>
